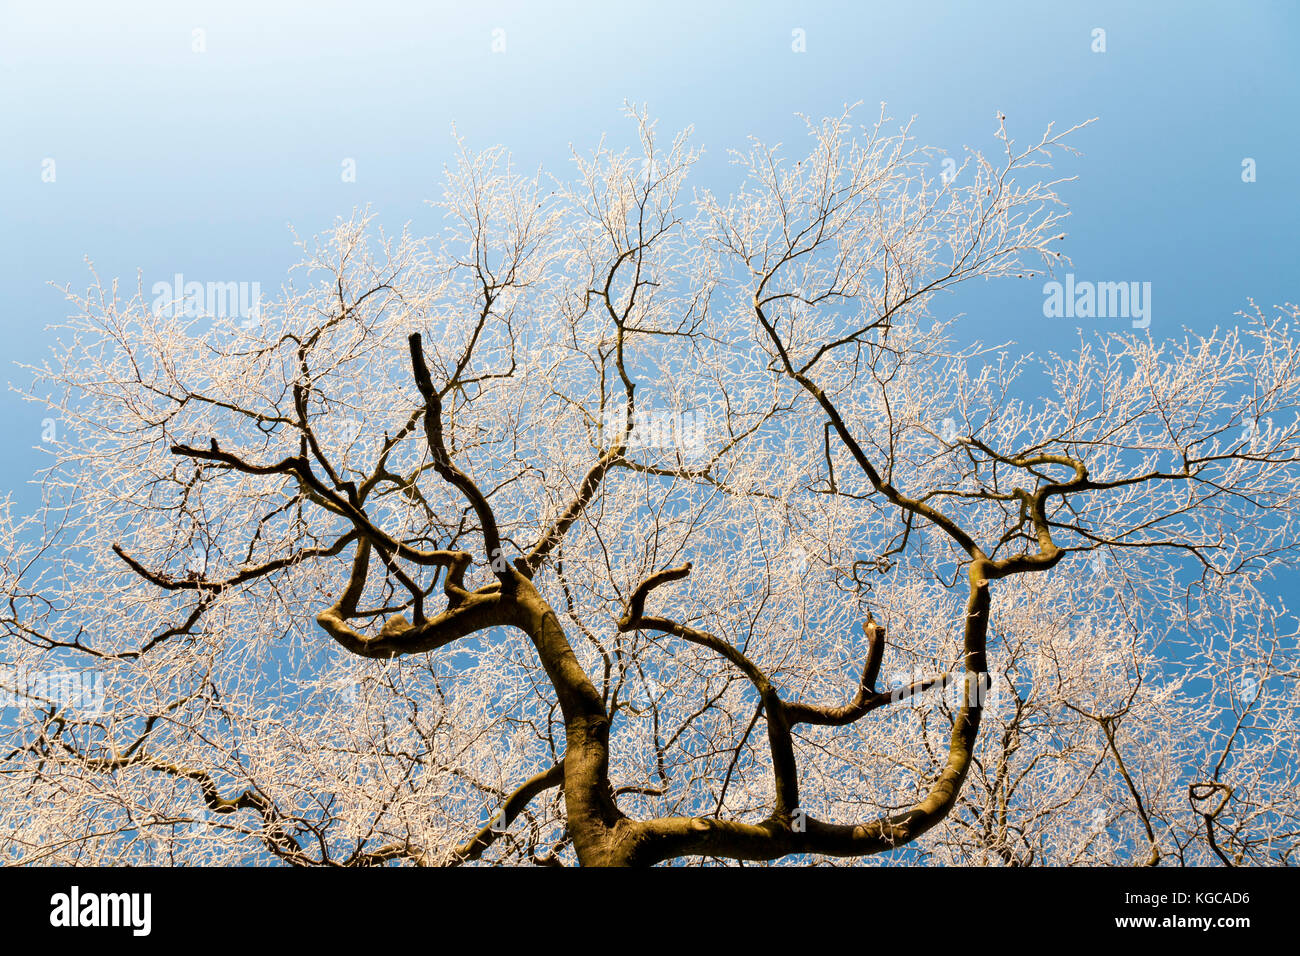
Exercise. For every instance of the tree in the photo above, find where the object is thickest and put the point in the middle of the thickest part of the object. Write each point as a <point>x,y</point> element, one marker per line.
<point>614,526</point>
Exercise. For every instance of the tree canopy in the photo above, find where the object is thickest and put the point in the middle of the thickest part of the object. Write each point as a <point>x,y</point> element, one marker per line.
<point>618,523</point>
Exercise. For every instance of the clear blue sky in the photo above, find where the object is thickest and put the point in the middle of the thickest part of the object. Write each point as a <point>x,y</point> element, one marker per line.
<point>168,160</point>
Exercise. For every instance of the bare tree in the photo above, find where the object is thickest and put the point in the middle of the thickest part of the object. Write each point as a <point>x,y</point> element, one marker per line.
<point>617,526</point>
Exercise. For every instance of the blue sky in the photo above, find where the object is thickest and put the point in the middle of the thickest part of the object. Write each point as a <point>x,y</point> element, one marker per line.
<point>169,160</point>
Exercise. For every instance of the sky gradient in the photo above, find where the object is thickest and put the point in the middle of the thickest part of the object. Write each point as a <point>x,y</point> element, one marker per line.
<point>169,160</point>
